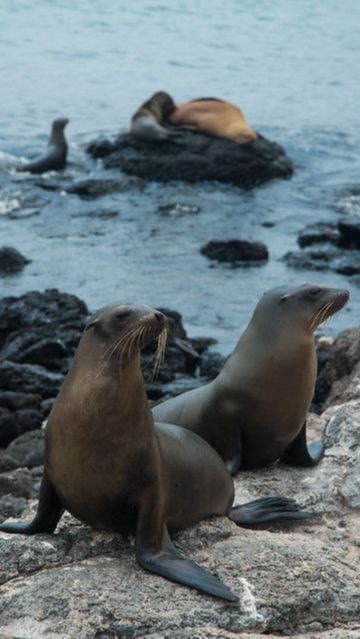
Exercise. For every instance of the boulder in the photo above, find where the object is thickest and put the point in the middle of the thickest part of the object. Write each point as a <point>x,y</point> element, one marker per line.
<point>11,261</point>
<point>349,229</point>
<point>318,233</point>
<point>28,449</point>
<point>236,251</point>
<point>195,157</point>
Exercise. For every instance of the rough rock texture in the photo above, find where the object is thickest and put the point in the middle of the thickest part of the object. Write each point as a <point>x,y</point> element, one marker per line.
<point>236,251</point>
<point>337,250</point>
<point>339,379</point>
<point>11,261</point>
<point>195,157</point>
<point>318,233</point>
<point>292,579</point>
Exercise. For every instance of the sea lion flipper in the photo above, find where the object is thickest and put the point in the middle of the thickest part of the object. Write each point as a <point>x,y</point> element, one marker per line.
<point>47,516</point>
<point>171,564</point>
<point>302,454</point>
<point>265,510</point>
<point>155,553</point>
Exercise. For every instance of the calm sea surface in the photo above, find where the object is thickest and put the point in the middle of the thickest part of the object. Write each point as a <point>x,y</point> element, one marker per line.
<point>292,66</point>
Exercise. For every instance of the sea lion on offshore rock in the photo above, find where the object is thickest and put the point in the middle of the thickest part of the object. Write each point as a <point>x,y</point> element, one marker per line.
<point>254,412</point>
<point>107,463</point>
<point>55,157</point>
<point>147,122</point>
<point>213,116</point>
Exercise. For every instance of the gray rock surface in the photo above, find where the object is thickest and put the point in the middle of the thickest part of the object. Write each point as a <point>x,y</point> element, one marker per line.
<point>298,579</point>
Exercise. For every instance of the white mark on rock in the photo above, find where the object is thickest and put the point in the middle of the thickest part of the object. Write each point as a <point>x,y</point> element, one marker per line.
<point>248,604</point>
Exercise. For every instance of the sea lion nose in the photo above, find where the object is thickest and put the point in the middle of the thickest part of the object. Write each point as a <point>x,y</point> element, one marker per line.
<point>159,316</point>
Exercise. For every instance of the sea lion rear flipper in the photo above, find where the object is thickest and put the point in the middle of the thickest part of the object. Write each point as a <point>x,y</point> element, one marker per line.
<point>156,554</point>
<point>302,454</point>
<point>265,510</point>
<point>48,513</point>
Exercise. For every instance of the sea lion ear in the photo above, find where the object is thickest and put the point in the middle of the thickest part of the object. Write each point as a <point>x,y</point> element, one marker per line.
<point>92,324</point>
<point>283,299</point>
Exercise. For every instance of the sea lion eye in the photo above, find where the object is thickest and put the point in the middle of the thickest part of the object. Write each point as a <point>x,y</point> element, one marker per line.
<point>315,291</point>
<point>123,315</point>
<point>283,299</point>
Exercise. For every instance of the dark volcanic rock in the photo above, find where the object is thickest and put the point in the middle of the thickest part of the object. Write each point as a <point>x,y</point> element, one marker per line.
<point>8,427</point>
<point>28,449</point>
<point>349,229</point>
<point>318,233</point>
<point>19,400</point>
<point>11,261</point>
<point>16,482</point>
<point>339,379</point>
<point>338,250</point>
<point>92,188</point>
<point>236,251</point>
<point>29,378</point>
<point>34,309</point>
<point>325,258</point>
<point>195,157</point>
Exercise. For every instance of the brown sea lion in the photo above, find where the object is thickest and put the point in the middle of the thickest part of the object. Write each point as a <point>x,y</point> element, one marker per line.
<point>112,468</point>
<point>55,157</point>
<point>213,116</point>
<point>254,412</point>
<point>147,122</point>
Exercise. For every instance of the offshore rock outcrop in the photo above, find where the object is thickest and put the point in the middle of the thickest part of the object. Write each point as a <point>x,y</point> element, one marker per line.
<point>195,157</point>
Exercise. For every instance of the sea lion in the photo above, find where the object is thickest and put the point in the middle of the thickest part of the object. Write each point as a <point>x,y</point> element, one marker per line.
<point>107,463</point>
<point>55,157</point>
<point>254,412</point>
<point>213,116</point>
<point>147,122</point>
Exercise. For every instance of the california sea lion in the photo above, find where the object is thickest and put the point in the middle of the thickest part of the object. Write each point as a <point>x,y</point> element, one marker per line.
<point>107,463</point>
<point>147,122</point>
<point>55,157</point>
<point>214,117</point>
<point>254,412</point>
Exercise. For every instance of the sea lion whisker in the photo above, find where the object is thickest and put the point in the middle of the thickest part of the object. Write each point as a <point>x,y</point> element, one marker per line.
<point>160,353</point>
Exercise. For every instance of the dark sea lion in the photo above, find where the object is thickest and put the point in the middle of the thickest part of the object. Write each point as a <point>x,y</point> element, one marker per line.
<point>147,123</point>
<point>55,157</point>
<point>254,412</point>
<point>112,468</point>
<point>213,116</point>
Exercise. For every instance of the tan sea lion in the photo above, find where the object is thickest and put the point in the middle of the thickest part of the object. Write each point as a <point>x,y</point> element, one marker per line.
<point>55,157</point>
<point>112,468</point>
<point>214,117</point>
<point>254,412</point>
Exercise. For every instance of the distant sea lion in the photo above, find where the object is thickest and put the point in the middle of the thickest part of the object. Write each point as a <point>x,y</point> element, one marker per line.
<point>147,122</point>
<point>254,412</point>
<point>107,463</point>
<point>213,116</point>
<point>55,157</point>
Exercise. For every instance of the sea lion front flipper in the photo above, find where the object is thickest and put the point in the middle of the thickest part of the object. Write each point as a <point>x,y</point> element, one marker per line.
<point>47,516</point>
<point>300,453</point>
<point>156,554</point>
<point>265,510</point>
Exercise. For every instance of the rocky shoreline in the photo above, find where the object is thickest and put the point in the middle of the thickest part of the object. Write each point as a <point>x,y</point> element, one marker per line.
<point>85,584</point>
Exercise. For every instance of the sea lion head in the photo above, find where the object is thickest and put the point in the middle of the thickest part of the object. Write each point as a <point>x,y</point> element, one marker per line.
<point>125,329</point>
<point>57,131</point>
<point>164,105</point>
<point>305,307</point>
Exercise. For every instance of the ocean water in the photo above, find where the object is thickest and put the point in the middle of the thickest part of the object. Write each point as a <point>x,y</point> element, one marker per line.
<point>291,66</point>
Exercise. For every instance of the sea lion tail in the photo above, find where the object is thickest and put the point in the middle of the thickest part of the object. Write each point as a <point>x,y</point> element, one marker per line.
<point>267,509</point>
